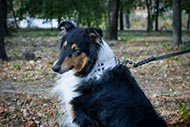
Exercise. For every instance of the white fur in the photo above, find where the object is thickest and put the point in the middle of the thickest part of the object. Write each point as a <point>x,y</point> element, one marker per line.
<point>105,56</point>
<point>66,83</point>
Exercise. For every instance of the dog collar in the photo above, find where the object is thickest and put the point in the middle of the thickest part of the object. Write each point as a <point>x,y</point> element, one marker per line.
<point>106,59</point>
<point>104,65</point>
<point>100,67</point>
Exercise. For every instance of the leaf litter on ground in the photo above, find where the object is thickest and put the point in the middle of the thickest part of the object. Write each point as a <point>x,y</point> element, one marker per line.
<point>25,98</point>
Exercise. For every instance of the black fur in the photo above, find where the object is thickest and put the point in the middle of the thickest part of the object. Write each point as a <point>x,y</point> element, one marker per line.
<point>114,101</point>
<point>68,25</point>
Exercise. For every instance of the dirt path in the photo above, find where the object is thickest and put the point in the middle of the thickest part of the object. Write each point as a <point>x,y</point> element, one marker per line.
<point>39,87</point>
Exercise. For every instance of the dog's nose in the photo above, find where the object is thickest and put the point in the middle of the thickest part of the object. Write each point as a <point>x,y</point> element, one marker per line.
<point>56,68</point>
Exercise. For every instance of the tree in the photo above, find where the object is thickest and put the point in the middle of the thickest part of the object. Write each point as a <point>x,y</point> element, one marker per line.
<point>156,15</point>
<point>83,12</point>
<point>121,18</point>
<point>4,12</point>
<point>176,23</point>
<point>126,6</point>
<point>113,7</point>
<point>59,9</point>
<point>185,6</point>
<point>149,18</point>
<point>12,12</point>
<point>188,22</point>
<point>3,55</point>
<point>127,20</point>
<point>90,12</point>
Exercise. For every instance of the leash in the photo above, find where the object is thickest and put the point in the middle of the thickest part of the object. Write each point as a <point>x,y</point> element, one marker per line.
<point>150,59</point>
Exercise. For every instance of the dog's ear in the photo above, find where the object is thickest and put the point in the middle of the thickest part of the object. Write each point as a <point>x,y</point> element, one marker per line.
<point>94,33</point>
<point>66,25</point>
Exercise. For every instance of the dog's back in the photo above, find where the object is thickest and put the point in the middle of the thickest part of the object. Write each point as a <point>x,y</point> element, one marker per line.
<point>115,100</point>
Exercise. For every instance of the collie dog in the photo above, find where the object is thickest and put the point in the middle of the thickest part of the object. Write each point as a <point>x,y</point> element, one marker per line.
<point>96,91</point>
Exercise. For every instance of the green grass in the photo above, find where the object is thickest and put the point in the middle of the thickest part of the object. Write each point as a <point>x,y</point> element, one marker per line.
<point>34,33</point>
<point>183,111</point>
<point>128,38</point>
<point>184,47</point>
<point>17,66</point>
<point>166,46</point>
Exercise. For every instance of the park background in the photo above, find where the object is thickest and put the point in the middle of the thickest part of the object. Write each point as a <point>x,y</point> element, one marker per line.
<point>135,29</point>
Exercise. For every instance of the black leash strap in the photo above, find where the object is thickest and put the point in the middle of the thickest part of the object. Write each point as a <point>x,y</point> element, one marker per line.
<point>152,58</point>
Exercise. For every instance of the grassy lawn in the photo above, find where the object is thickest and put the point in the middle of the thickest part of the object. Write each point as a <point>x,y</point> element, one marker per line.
<point>25,98</point>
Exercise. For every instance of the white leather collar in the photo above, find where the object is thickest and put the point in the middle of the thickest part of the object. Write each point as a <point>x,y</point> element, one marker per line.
<point>106,59</point>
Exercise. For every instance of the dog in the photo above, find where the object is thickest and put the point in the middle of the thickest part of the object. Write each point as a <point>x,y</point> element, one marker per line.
<point>96,91</point>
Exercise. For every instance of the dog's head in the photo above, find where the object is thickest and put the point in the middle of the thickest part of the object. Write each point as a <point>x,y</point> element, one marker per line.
<point>79,49</point>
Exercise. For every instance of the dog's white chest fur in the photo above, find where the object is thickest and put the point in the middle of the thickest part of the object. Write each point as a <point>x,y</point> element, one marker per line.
<point>66,85</point>
<point>64,90</point>
<point>68,82</point>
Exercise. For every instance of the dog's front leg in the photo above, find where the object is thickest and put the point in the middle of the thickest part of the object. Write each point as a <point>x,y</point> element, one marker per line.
<point>85,118</point>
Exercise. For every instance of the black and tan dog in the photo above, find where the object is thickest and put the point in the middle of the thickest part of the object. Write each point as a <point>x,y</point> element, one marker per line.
<point>95,91</point>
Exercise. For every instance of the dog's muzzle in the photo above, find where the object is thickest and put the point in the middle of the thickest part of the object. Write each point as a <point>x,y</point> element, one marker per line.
<point>55,68</point>
<point>60,69</point>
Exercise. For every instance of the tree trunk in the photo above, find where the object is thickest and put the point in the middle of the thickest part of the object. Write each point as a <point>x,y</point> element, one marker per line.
<point>4,11</point>
<point>121,18</point>
<point>188,22</point>
<point>127,20</point>
<point>157,13</point>
<point>15,20</point>
<point>149,19</point>
<point>176,23</point>
<point>113,7</point>
<point>3,55</point>
<point>11,8</point>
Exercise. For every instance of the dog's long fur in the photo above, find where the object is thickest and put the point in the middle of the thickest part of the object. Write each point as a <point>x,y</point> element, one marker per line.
<point>95,91</point>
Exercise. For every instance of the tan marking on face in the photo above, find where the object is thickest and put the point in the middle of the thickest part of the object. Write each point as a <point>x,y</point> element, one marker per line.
<point>77,62</point>
<point>65,43</point>
<point>74,46</point>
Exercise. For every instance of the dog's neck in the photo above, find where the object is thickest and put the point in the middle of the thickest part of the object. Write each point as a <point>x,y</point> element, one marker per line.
<point>105,60</point>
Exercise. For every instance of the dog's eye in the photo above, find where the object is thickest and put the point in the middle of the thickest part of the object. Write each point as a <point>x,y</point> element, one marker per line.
<point>62,47</point>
